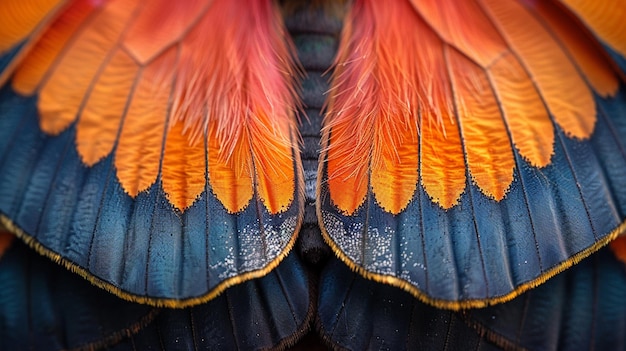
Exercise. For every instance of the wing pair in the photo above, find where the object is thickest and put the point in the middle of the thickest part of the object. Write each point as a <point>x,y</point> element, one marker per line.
<point>43,306</point>
<point>471,149</point>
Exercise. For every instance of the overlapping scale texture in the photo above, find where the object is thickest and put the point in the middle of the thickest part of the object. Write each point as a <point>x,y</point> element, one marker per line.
<point>605,18</point>
<point>161,132</point>
<point>579,309</point>
<point>500,126</point>
<point>202,81</point>
<point>45,307</point>
<point>21,22</point>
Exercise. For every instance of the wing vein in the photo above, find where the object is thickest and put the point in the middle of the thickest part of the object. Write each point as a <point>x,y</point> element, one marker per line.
<point>468,177</point>
<point>518,170</point>
<point>552,117</point>
<point>159,179</point>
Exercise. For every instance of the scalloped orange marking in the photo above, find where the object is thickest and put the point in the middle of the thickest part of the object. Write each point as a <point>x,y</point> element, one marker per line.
<point>18,18</point>
<point>511,68</point>
<point>231,179</point>
<point>138,153</point>
<point>63,94</point>
<point>394,179</point>
<point>46,51</point>
<point>273,166</point>
<point>99,123</point>
<point>114,67</point>
<point>605,18</point>
<point>241,73</point>
<point>486,141</point>
<point>530,126</point>
<point>184,166</point>
<point>586,53</point>
<point>563,89</point>
<point>347,186</point>
<point>442,163</point>
<point>348,141</point>
<point>373,111</point>
<point>394,167</point>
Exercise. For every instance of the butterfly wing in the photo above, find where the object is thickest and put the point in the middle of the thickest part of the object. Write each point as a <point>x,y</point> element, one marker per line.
<point>151,146</point>
<point>358,314</point>
<point>271,312</point>
<point>472,149</point>
<point>23,22</point>
<point>45,307</point>
<point>579,309</point>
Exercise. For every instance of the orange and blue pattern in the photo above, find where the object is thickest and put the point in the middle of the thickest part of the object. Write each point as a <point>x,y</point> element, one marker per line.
<point>163,132</point>
<point>472,149</point>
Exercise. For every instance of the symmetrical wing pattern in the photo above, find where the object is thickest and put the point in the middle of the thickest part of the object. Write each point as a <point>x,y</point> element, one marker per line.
<point>471,148</point>
<point>151,146</point>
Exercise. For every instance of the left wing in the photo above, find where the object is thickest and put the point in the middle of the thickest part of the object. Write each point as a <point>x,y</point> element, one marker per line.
<point>151,146</point>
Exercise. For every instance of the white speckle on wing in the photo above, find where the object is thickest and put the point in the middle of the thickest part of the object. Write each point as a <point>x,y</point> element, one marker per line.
<point>379,255</point>
<point>252,241</point>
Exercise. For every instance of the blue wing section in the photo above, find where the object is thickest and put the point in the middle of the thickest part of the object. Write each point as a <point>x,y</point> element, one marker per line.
<point>359,314</point>
<point>270,312</point>
<point>581,309</point>
<point>142,248</point>
<point>617,58</point>
<point>483,251</point>
<point>45,307</point>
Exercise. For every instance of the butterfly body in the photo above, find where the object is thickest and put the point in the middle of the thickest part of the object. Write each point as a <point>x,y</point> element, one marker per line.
<point>315,34</point>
